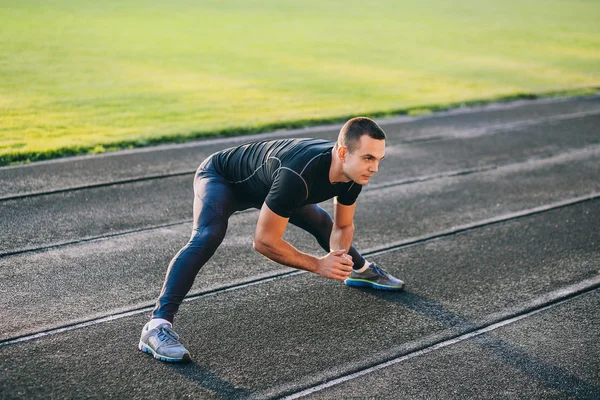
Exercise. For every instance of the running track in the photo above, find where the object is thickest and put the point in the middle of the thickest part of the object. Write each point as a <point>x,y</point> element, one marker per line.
<point>489,214</point>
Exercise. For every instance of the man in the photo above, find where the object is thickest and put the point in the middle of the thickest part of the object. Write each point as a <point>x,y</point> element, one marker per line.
<point>285,179</point>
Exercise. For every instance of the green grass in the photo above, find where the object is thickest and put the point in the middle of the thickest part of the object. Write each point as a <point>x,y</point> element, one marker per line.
<point>79,76</point>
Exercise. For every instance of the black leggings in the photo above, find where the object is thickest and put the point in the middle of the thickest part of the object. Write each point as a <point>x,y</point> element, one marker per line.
<point>214,202</point>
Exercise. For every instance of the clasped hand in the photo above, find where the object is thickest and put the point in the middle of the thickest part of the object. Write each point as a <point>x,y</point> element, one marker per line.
<point>336,265</point>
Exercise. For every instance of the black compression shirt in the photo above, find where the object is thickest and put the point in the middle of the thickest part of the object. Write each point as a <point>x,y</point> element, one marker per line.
<point>286,174</point>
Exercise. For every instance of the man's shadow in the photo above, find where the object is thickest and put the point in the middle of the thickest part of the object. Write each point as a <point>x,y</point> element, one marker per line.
<point>206,379</point>
<point>549,375</point>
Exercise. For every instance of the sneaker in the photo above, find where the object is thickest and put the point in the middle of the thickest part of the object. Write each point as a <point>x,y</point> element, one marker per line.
<point>374,277</point>
<point>163,343</point>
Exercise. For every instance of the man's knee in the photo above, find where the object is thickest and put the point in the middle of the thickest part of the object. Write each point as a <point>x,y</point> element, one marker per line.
<point>214,233</point>
<point>325,221</point>
<point>207,237</point>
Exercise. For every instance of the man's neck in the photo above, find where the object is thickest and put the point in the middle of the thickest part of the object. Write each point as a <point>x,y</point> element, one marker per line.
<point>336,171</point>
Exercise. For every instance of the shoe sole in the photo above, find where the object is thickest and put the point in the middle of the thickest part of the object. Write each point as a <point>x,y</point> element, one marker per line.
<point>154,354</point>
<point>373,285</point>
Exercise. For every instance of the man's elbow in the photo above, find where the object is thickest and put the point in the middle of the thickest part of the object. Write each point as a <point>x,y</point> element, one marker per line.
<point>347,229</point>
<point>257,246</point>
<point>261,245</point>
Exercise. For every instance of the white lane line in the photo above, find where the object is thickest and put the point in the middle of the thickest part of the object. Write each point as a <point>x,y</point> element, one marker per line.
<point>143,310</point>
<point>394,246</point>
<point>475,132</point>
<point>569,292</point>
<point>503,127</point>
<point>540,160</point>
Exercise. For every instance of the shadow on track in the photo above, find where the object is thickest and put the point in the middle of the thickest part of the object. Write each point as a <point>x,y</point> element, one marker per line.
<point>210,381</point>
<point>550,376</point>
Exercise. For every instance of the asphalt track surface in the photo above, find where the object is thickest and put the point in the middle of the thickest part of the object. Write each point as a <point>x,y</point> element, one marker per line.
<point>489,214</point>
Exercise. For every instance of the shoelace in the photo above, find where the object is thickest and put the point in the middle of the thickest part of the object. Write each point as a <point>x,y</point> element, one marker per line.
<point>378,270</point>
<point>166,334</point>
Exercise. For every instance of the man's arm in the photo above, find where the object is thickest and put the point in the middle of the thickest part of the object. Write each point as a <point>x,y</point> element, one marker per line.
<point>343,226</point>
<point>269,242</point>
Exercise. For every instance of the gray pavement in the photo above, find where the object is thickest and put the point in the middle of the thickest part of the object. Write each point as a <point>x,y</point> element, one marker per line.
<point>486,213</point>
<point>538,357</point>
<point>110,209</point>
<point>132,266</point>
<point>282,335</point>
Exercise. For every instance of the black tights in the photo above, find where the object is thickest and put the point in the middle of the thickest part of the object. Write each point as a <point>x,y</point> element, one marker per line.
<point>214,203</point>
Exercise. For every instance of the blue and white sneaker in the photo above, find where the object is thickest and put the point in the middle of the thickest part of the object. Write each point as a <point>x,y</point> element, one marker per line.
<point>374,277</point>
<point>163,343</point>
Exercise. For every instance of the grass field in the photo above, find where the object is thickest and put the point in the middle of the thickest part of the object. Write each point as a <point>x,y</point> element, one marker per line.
<point>81,76</point>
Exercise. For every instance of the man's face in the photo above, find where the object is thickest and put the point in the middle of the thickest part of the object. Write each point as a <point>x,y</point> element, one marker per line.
<point>362,164</point>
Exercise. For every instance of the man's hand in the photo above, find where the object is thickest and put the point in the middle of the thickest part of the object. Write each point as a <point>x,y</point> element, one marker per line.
<point>335,265</point>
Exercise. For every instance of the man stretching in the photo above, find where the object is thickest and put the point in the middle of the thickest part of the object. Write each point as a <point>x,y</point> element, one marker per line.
<point>285,179</point>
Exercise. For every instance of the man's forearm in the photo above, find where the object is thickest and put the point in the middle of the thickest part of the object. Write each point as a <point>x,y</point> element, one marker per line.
<point>284,253</point>
<point>341,238</point>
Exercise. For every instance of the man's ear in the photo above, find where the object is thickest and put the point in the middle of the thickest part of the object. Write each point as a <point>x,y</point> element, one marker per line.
<point>342,152</point>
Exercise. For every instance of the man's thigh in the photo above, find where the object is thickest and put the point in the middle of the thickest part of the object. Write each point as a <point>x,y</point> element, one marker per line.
<point>212,195</point>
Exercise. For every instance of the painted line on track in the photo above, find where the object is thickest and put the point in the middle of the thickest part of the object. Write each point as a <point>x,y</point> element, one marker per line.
<point>96,185</point>
<point>129,313</point>
<point>368,253</point>
<point>542,304</point>
<point>489,130</point>
<point>379,186</point>
<point>481,224</point>
<point>375,187</point>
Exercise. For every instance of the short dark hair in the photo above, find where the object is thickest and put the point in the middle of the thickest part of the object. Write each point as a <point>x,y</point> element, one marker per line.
<point>355,128</point>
